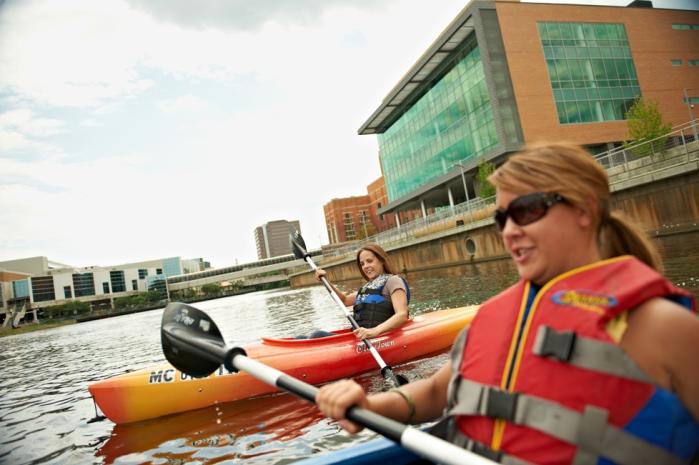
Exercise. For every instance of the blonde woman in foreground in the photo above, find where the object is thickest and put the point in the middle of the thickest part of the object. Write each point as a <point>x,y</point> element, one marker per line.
<point>591,357</point>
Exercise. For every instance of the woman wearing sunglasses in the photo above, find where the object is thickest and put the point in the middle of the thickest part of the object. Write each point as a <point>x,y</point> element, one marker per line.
<point>591,357</point>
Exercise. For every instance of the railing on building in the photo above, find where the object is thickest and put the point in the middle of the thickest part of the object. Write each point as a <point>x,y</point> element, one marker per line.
<point>466,214</point>
<point>682,136</point>
<point>477,212</point>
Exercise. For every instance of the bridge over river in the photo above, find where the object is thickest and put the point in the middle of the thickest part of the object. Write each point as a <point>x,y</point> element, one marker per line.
<point>251,274</point>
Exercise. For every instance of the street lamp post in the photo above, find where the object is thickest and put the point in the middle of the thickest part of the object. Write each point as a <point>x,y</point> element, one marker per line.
<point>463,180</point>
<point>691,113</point>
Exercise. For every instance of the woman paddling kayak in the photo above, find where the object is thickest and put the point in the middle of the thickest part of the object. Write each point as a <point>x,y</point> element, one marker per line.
<point>380,305</point>
<point>589,358</point>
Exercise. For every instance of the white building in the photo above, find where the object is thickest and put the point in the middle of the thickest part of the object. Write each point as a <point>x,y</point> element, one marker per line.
<point>39,283</point>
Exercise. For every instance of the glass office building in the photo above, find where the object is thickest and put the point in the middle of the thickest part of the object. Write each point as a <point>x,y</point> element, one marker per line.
<point>505,74</point>
<point>451,123</point>
<point>591,70</point>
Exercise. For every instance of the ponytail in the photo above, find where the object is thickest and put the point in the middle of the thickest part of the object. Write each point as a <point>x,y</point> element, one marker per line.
<point>619,236</point>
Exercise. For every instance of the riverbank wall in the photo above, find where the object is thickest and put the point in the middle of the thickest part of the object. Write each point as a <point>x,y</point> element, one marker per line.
<point>662,195</point>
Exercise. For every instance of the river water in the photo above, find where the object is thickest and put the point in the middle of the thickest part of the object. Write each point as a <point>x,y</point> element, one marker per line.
<point>45,408</point>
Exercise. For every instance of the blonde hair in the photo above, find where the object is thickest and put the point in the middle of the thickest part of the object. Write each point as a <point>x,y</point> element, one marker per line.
<point>570,171</point>
<point>380,253</point>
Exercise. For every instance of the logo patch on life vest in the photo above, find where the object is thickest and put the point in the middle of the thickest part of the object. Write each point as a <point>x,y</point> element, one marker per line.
<point>586,300</point>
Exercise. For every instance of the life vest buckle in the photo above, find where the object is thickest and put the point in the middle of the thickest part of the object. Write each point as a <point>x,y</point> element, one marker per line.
<point>485,451</point>
<point>556,344</point>
<point>500,404</point>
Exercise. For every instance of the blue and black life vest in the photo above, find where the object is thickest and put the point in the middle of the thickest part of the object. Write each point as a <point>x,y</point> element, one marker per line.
<point>371,308</point>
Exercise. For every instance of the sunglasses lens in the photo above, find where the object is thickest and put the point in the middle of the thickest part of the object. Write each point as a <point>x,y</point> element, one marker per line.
<point>525,210</point>
<point>528,210</point>
<point>500,218</point>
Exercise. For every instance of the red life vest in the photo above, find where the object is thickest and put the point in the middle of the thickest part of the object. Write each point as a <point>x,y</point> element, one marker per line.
<point>541,380</point>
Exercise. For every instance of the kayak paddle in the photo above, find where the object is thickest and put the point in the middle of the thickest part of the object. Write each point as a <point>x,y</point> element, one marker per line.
<point>298,245</point>
<point>193,344</point>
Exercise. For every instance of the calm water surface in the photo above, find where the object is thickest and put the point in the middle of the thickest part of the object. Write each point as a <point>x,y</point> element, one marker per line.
<point>45,407</point>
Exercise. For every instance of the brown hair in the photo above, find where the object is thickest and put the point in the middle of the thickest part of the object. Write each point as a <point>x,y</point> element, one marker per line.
<point>380,254</point>
<point>570,171</point>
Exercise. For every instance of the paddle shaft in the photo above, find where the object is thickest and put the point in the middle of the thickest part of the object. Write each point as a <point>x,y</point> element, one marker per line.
<point>419,442</point>
<point>386,370</point>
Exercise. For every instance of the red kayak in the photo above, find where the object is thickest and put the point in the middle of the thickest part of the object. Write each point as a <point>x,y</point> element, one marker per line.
<point>163,390</point>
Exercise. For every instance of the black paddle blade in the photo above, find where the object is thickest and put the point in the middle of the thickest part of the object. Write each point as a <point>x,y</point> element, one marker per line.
<point>298,245</point>
<point>191,340</point>
<point>393,379</point>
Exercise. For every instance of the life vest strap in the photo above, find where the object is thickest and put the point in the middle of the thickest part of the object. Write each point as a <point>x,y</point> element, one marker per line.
<point>590,430</point>
<point>481,449</point>
<point>591,354</point>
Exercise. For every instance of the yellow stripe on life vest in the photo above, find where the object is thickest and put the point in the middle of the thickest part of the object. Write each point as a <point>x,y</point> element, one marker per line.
<point>499,427</point>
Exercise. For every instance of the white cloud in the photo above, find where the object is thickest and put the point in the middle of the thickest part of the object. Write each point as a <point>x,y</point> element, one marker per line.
<point>23,121</point>
<point>90,123</point>
<point>259,123</point>
<point>187,103</point>
<point>12,140</point>
<point>70,53</point>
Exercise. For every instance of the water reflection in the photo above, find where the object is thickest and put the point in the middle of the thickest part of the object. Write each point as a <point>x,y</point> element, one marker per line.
<point>461,285</point>
<point>297,311</point>
<point>236,430</point>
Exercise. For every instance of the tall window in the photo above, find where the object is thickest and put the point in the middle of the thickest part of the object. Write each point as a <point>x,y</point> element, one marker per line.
<point>42,288</point>
<point>350,233</point>
<point>134,285</point>
<point>83,284</point>
<point>67,292</point>
<point>364,224</point>
<point>118,282</point>
<point>591,70</point>
<point>105,287</point>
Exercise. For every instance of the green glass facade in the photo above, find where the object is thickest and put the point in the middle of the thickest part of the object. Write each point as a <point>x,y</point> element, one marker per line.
<point>591,70</point>
<point>20,288</point>
<point>451,122</point>
<point>172,266</point>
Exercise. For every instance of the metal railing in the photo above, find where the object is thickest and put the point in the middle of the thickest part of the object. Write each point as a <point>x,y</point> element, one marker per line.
<point>465,215</point>
<point>673,146</point>
<point>683,135</point>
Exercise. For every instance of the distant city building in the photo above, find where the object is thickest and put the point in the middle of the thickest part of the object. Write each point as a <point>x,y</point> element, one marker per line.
<point>272,238</point>
<point>347,219</point>
<point>378,198</point>
<point>357,217</point>
<point>37,282</point>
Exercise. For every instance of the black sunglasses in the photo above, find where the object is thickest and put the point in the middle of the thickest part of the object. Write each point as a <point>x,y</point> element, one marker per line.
<point>527,209</point>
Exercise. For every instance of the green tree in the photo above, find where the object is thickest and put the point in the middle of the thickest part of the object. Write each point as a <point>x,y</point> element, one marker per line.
<point>211,289</point>
<point>485,189</point>
<point>67,310</point>
<point>646,124</point>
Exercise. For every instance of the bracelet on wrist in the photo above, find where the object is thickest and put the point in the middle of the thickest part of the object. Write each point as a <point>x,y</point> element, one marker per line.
<point>408,400</point>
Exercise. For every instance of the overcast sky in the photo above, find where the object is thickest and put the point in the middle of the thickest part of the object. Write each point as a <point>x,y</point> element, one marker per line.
<point>140,129</point>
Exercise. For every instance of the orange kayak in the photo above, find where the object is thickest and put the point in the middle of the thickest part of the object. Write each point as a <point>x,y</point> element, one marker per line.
<point>163,390</point>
